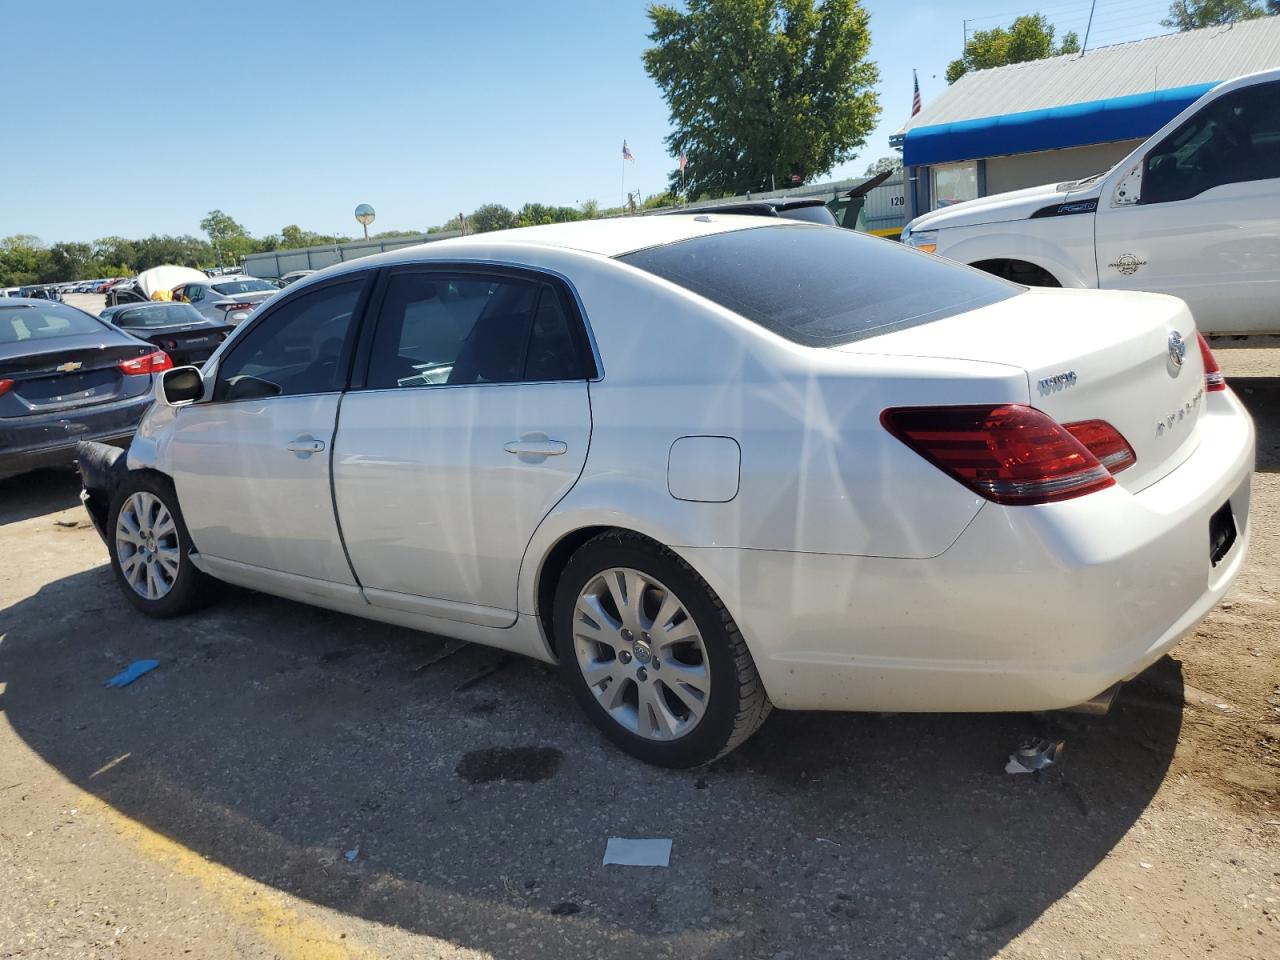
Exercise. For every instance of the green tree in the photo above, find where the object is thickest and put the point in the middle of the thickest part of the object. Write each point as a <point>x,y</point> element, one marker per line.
<point>1029,37</point>
<point>23,259</point>
<point>533,214</point>
<point>762,90</point>
<point>883,164</point>
<point>491,216</point>
<point>230,240</point>
<point>1193,14</point>
<point>70,261</point>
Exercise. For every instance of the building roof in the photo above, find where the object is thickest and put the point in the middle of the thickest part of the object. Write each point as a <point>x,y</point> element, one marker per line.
<point>1111,93</point>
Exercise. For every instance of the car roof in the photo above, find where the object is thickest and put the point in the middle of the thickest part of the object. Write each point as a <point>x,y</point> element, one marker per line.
<point>611,237</point>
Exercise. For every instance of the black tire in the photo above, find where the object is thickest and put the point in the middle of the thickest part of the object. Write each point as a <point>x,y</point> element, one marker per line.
<point>736,703</point>
<point>190,589</point>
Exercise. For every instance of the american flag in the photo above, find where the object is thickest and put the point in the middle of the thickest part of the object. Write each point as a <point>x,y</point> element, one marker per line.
<point>915,99</point>
<point>684,161</point>
<point>626,152</point>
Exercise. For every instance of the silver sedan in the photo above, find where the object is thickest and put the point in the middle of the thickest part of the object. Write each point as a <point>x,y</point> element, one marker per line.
<point>225,299</point>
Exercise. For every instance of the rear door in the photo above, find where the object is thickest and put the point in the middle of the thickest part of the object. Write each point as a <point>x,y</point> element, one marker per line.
<point>1207,225</point>
<point>471,425</point>
<point>251,466</point>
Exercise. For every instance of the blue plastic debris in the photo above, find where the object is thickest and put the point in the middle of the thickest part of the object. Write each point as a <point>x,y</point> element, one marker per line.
<point>350,855</point>
<point>132,673</point>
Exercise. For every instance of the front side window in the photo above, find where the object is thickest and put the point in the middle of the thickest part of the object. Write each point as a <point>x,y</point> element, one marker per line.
<point>302,347</point>
<point>820,287</point>
<point>1233,139</point>
<point>435,329</point>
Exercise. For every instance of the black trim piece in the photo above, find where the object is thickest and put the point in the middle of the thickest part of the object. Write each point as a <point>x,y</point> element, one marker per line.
<point>1070,208</point>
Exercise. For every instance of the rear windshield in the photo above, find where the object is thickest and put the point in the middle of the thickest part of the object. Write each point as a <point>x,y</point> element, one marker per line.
<point>232,287</point>
<point>19,324</point>
<point>162,315</point>
<point>821,287</point>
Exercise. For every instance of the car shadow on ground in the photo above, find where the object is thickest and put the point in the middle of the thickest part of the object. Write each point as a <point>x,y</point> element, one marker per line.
<point>275,738</point>
<point>1261,396</point>
<point>38,493</point>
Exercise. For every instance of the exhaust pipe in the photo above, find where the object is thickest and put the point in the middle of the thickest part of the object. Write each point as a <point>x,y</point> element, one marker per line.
<point>1100,704</point>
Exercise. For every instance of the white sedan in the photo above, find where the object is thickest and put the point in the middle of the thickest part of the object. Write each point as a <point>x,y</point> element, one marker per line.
<point>709,465</point>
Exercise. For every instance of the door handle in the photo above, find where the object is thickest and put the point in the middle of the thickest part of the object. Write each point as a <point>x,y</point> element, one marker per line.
<point>305,445</point>
<point>536,447</point>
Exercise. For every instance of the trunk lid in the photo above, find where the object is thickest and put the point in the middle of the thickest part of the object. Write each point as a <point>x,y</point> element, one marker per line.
<point>1088,355</point>
<point>70,372</point>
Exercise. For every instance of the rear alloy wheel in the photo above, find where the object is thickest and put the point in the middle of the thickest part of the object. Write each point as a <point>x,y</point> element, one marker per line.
<point>641,654</point>
<point>150,548</point>
<point>652,654</point>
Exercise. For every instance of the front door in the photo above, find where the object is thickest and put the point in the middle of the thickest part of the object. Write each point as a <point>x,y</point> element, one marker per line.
<point>1206,227</point>
<point>251,466</point>
<point>472,424</point>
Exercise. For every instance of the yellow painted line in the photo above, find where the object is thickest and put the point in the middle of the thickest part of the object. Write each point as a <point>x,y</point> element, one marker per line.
<point>886,231</point>
<point>291,935</point>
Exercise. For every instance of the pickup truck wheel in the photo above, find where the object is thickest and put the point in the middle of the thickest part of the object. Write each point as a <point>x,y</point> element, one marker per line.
<point>652,654</point>
<point>150,548</point>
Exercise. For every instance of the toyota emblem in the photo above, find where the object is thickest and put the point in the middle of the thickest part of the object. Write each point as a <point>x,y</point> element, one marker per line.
<point>1177,348</point>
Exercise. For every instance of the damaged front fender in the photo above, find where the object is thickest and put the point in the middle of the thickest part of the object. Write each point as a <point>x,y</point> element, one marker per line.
<point>102,467</point>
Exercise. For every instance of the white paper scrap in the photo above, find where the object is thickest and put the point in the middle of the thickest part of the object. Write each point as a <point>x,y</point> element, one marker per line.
<point>638,853</point>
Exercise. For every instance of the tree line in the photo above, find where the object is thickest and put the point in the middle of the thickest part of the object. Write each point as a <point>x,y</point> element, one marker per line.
<point>25,259</point>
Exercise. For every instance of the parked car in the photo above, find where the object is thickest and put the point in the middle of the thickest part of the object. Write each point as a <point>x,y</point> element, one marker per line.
<point>176,328</point>
<point>124,293</point>
<point>66,376</point>
<point>1192,212</point>
<point>229,299</point>
<point>40,292</point>
<point>709,465</point>
<point>808,209</point>
<point>293,276</point>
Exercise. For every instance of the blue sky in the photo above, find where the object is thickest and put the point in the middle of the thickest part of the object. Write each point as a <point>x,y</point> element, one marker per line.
<point>137,117</point>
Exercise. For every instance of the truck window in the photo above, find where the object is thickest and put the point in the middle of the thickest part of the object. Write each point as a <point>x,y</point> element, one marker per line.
<point>1234,139</point>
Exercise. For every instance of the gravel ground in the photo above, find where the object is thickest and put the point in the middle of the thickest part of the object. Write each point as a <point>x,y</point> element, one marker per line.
<point>293,783</point>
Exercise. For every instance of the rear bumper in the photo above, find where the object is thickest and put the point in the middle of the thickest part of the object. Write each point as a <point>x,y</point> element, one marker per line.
<point>1033,608</point>
<point>28,443</point>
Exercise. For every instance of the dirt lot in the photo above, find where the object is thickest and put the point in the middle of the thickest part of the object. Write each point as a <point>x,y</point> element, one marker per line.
<point>291,783</point>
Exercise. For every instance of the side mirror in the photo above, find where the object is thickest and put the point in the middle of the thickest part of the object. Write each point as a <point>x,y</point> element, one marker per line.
<point>180,386</point>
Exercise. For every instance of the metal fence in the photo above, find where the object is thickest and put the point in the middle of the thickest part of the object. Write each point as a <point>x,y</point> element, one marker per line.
<point>279,262</point>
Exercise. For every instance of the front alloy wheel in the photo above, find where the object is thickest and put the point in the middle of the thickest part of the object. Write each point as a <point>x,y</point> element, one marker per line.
<point>147,545</point>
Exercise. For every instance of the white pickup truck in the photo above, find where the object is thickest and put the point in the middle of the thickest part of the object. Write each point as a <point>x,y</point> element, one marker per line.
<point>1193,212</point>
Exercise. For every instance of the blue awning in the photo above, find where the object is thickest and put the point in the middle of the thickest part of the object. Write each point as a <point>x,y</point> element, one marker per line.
<point>1073,125</point>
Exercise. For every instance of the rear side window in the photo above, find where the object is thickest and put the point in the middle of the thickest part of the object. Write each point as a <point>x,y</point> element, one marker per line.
<point>820,287</point>
<point>436,329</point>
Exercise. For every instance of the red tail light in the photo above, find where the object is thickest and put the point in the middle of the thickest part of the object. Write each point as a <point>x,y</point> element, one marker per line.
<point>1105,442</point>
<point>1010,454</point>
<point>151,363</point>
<point>4,386</point>
<point>1213,378</point>
<point>232,307</point>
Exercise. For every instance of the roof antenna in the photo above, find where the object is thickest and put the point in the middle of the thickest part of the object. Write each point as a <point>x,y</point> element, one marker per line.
<point>1089,26</point>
